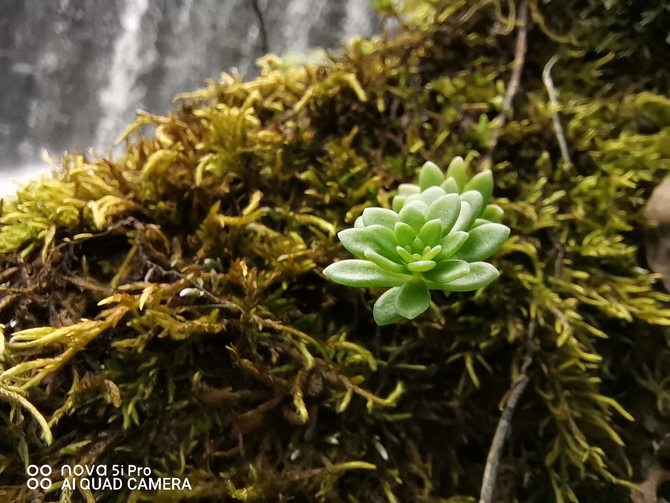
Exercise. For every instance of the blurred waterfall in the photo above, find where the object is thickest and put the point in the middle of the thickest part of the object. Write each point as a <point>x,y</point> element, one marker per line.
<point>129,60</point>
<point>73,72</point>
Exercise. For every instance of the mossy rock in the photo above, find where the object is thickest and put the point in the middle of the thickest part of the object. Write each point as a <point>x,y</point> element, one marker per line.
<point>167,308</point>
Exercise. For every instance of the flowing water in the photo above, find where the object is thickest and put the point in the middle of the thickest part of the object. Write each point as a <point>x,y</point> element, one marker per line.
<point>73,72</point>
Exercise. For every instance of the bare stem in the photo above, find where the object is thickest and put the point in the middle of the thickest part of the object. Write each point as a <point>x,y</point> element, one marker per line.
<point>553,99</point>
<point>514,81</point>
<point>502,431</point>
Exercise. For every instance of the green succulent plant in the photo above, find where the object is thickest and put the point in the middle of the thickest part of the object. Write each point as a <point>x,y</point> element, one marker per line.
<point>436,237</point>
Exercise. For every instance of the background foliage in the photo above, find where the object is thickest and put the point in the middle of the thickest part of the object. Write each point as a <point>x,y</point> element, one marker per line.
<point>167,308</point>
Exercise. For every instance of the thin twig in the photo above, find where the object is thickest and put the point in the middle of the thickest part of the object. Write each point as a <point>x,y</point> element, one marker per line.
<point>514,81</point>
<point>503,429</point>
<point>265,46</point>
<point>553,99</point>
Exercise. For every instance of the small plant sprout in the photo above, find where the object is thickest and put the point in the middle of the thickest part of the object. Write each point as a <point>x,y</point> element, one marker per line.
<point>436,237</point>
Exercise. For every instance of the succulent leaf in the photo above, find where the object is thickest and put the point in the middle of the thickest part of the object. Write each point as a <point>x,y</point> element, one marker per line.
<point>432,253</point>
<point>385,311</point>
<point>404,234</point>
<point>380,216</point>
<point>383,262</point>
<point>458,171</point>
<point>475,200</point>
<point>413,214</point>
<point>383,240</point>
<point>483,242</point>
<point>408,189</point>
<point>446,208</point>
<point>451,243</point>
<point>421,265</point>
<point>466,217</point>
<point>404,254</point>
<point>449,270</point>
<point>431,232</point>
<point>492,213</point>
<point>450,186</point>
<point>430,175</point>
<point>413,299</point>
<point>398,203</point>
<point>356,272</point>
<point>480,275</point>
<point>374,237</point>
<point>482,183</point>
<point>355,240</point>
<point>431,194</point>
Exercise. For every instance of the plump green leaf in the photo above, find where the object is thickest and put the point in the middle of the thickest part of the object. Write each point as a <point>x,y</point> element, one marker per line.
<point>450,244</point>
<point>432,253</point>
<point>431,194</point>
<point>465,219</point>
<point>384,311</point>
<point>398,202</point>
<point>404,234</point>
<point>474,199</point>
<point>363,273</point>
<point>383,239</point>
<point>418,245</point>
<point>356,240</point>
<point>413,299</point>
<point>384,263</point>
<point>458,171</point>
<point>450,186</point>
<point>483,242</point>
<point>430,175</point>
<point>447,271</point>
<point>493,213</point>
<point>421,265</point>
<point>480,275</point>
<point>414,214</point>
<point>447,209</point>
<point>407,189</point>
<point>358,223</point>
<point>413,197</point>
<point>478,222</point>
<point>404,254</point>
<point>431,232</point>
<point>380,216</point>
<point>374,237</point>
<point>482,183</point>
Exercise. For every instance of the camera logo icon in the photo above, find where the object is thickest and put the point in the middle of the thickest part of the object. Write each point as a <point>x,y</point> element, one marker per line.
<point>39,477</point>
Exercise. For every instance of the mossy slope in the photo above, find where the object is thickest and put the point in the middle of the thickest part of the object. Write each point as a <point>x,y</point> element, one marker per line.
<point>167,308</point>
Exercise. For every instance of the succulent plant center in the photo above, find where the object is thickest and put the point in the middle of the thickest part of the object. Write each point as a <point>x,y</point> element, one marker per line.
<point>435,237</point>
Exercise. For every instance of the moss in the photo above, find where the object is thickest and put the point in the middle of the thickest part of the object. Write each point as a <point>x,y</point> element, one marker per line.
<point>167,309</point>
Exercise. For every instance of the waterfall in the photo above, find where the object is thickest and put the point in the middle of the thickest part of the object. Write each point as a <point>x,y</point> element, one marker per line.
<point>297,22</point>
<point>357,19</point>
<point>73,73</point>
<point>130,58</point>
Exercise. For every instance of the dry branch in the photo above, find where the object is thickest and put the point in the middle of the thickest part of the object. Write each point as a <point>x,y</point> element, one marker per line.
<point>553,99</point>
<point>503,429</point>
<point>514,81</point>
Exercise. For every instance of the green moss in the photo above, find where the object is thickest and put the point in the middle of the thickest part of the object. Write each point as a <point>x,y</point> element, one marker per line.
<point>167,308</point>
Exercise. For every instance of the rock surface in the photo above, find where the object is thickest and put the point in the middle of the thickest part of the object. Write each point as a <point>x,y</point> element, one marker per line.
<point>657,238</point>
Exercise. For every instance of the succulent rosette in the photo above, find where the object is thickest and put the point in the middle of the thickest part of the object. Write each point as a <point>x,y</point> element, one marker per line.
<point>436,237</point>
